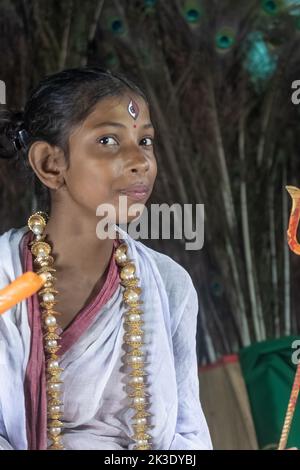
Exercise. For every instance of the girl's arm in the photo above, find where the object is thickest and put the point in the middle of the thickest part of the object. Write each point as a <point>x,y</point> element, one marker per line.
<point>191,429</point>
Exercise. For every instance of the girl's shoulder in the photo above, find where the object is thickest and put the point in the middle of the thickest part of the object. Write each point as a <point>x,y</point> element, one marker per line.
<point>179,287</point>
<point>9,244</point>
<point>176,278</point>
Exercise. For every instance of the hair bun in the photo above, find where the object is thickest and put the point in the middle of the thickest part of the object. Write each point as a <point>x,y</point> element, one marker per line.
<point>11,122</point>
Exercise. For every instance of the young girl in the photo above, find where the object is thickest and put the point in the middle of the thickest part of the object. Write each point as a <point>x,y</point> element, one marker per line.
<point>104,356</point>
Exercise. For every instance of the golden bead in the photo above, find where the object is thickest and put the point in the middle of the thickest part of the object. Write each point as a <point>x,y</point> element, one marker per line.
<point>55,423</point>
<point>46,269</point>
<point>40,247</point>
<point>141,414</point>
<point>142,447</point>
<point>56,444</point>
<point>120,255</point>
<point>52,349</point>
<point>127,272</point>
<point>37,220</point>
<point>121,259</point>
<point>131,294</point>
<point>54,402</point>
<point>122,248</point>
<point>141,436</point>
<point>45,261</point>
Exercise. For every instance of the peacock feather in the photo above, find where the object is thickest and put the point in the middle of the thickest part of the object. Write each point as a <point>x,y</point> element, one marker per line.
<point>192,11</point>
<point>116,26</point>
<point>260,62</point>
<point>225,39</point>
<point>272,7</point>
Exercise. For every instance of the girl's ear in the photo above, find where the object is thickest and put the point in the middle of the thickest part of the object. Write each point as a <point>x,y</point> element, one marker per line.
<point>49,164</point>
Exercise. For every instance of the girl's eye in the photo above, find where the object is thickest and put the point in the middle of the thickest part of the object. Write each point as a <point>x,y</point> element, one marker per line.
<point>107,141</point>
<point>147,141</point>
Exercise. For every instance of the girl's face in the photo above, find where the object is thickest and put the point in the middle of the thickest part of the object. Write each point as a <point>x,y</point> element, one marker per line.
<point>111,151</point>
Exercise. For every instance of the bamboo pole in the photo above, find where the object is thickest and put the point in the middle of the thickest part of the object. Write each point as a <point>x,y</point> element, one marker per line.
<point>258,321</point>
<point>273,254</point>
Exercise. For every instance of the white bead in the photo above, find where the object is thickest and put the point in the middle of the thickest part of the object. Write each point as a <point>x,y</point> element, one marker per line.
<point>50,321</point>
<point>138,380</point>
<point>135,338</point>
<point>42,252</point>
<point>49,297</point>
<point>135,359</point>
<point>47,275</point>
<point>132,297</point>
<point>134,317</point>
<point>139,400</point>
<point>37,229</point>
<point>56,409</point>
<point>53,364</point>
<point>141,421</point>
<point>52,343</point>
<point>54,387</point>
<point>54,431</point>
<point>142,442</point>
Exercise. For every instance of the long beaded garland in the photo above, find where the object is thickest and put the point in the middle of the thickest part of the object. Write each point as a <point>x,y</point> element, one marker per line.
<point>133,338</point>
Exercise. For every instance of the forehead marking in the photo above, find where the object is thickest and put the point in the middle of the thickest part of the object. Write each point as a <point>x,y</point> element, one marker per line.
<point>133,109</point>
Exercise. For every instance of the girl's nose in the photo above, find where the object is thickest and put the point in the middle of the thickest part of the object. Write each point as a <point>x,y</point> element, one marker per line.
<point>137,162</point>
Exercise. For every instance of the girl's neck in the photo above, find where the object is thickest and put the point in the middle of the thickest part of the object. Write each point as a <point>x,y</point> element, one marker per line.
<point>75,243</point>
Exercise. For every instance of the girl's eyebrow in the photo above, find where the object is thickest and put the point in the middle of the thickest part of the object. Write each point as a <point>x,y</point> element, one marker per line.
<point>119,124</point>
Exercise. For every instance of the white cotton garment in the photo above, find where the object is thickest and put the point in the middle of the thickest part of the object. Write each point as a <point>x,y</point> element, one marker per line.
<point>97,413</point>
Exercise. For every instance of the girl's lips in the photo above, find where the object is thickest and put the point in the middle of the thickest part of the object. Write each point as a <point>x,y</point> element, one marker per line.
<point>135,194</point>
<point>136,191</point>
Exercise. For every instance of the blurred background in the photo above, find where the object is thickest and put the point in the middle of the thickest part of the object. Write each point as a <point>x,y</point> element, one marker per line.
<point>218,75</point>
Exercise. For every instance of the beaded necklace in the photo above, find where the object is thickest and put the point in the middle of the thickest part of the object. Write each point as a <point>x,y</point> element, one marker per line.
<point>133,338</point>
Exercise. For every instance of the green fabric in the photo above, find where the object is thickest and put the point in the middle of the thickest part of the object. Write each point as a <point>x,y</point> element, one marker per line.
<point>269,374</point>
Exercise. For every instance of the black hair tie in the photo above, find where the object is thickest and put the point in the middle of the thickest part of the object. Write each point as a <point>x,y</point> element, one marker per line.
<point>21,140</point>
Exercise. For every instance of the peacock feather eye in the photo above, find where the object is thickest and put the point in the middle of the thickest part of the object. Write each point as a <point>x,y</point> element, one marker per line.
<point>116,26</point>
<point>192,15</point>
<point>225,39</point>
<point>271,7</point>
<point>192,11</point>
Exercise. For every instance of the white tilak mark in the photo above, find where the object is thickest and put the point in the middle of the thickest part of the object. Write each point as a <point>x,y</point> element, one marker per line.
<point>131,110</point>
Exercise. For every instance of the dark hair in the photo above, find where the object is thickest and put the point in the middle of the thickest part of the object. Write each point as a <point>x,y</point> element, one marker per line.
<point>58,104</point>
